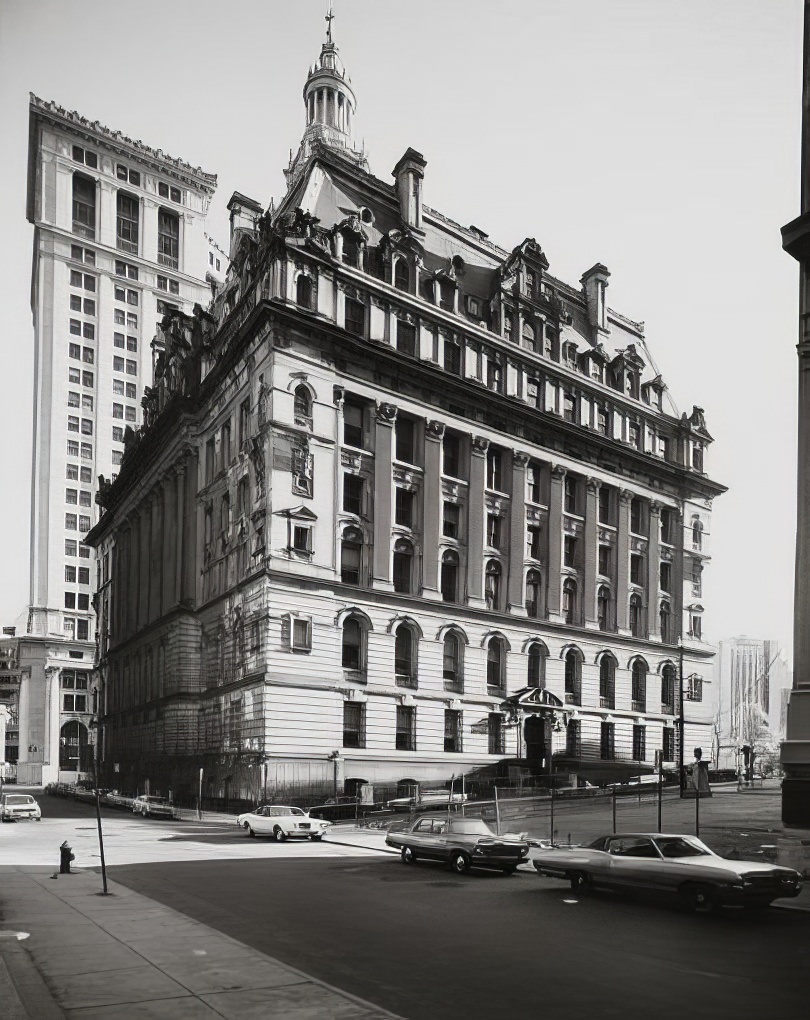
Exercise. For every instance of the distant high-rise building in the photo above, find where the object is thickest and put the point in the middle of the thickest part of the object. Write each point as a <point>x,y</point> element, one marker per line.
<point>751,679</point>
<point>119,241</point>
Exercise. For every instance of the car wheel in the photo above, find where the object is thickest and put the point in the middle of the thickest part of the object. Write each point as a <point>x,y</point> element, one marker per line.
<point>279,835</point>
<point>316,839</point>
<point>701,899</point>
<point>250,831</point>
<point>579,882</point>
<point>509,870</point>
<point>407,855</point>
<point>459,862</point>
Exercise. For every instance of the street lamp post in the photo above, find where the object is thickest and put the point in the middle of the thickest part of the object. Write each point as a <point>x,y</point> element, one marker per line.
<point>681,783</point>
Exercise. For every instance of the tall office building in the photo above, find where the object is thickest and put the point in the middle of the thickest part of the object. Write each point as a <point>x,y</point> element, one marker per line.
<point>404,505</point>
<point>119,241</point>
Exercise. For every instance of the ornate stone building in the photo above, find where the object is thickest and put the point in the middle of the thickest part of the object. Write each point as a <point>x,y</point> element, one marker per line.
<point>403,505</point>
<point>118,240</point>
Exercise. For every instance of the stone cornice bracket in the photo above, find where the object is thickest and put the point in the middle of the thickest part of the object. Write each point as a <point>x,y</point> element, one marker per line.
<point>386,413</point>
<point>434,430</point>
<point>655,506</point>
<point>338,396</point>
<point>593,484</point>
<point>479,445</point>
<point>626,496</point>
<point>520,458</point>
<point>558,471</point>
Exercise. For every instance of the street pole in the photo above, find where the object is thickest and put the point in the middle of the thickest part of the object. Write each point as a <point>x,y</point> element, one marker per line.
<point>697,809</point>
<point>681,784</point>
<point>199,797</point>
<point>660,789</point>
<point>101,844</point>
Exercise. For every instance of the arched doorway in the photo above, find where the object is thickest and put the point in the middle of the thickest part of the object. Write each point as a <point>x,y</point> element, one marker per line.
<point>74,747</point>
<point>534,735</point>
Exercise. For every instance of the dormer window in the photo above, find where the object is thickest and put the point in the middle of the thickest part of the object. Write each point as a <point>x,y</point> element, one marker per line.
<point>473,307</point>
<point>528,337</point>
<point>529,283</point>
<point>447,295</point>
<point>402,275</point>
<point>351,251</point>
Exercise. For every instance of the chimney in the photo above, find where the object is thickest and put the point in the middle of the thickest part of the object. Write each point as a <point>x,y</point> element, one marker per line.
<point>409,173</point>
<point>594,284</point>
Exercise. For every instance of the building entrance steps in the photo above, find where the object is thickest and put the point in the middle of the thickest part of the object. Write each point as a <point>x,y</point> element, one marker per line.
<point>125,955</point>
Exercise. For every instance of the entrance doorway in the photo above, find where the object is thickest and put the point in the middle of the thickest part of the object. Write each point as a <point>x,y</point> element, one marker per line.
<point>534,735</point>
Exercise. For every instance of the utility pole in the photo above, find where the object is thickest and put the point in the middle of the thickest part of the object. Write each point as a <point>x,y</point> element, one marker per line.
<point>681,783</point>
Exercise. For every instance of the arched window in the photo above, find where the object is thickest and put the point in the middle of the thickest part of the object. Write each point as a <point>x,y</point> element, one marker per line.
<point>665,618</point>
<point>403,567</point>
<point>534,587</point>
<point>303,291</point>
<point>536,676</point>
<point>569,600</point>
<point>453,662</point>
<point>573,677</point>
<point>697,533</point>
<point>302,402</point>
<point>636,616</point>
<point>639,685</point>
<point>449,577</point>
<point>668,677</point>
<point>603,607</point>
<point>529,338</point>
<point>353,654</point>
<point>351,554</point>
<point>492,585</point>
<point>405,660</point>
<point>607,682</point>
<point>402,275</point>
<point>496,663</point>
<point>84,206</point>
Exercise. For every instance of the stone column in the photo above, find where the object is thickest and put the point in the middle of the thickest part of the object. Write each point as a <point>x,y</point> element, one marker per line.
<point>555,542</point>
<point>623,563</point>
<point>475,522</point>
<point>653,571</point>
<point>189,527</point>
<point>591,537</point>
<point>132,575</point>
<point>517,534</point>
<point>169,490</point>
<point>432,509</point>
<point>383,462</point>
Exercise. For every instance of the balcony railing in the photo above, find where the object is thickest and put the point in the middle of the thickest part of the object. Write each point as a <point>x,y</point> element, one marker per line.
<point>573,697</point>
<point>667,708</point>
<point>639,706</point>
<point>607,701</point>
<point>405,680</point>
<point>455,685</point>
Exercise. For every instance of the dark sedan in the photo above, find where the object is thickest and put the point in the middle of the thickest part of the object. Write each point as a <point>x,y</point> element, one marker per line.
<point>463,843</point>
<point>667,863</point>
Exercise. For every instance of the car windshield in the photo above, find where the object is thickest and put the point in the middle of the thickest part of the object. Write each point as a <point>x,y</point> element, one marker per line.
<point>280,812</point>
<point>471,826</point>
<point>682,846</point>
<point>18,798</point>
<point>156,800</point>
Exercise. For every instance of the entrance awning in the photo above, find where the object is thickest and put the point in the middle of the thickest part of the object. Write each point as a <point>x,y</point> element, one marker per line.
<point>533,699</point>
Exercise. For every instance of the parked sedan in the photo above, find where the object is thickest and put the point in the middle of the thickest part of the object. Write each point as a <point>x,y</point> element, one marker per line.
<point>152,807</point>
<point>282,822</point>
<point>14,806</point>
<point>427,799</point>
<point>669,863</point>
<point>337,808</point>
<point>463,843</point>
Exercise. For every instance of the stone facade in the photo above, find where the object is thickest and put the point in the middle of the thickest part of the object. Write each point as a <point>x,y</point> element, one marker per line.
<point>391,478</point>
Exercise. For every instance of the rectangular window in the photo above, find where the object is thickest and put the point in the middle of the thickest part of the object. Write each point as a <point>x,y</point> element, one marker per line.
<point>117,457</point>
<point>70,547</point>
<point>494,531</point>
<point>88,331</point>
<point>84,206</point>
<point>130,413</point>
<point>665,576</point>
<point>127,223</point>
<point>72,423</point>
<point>118,364</point>
<point>84,523</point>
<point>301,635</point>
<point>87,451</point>
<point>168,239</point>
<point>451,515</point>
<point>669,744</point>
<point>70,522</point>
<point>353,425</point>
<point>83,601</point>
<point>75,327</point>
<point>405,739</point>
<point>406,338</point>
<point>86,474</point>
<point>403,507</point>
<point>354,724</point>
<point>494,470</point>
<point>451,454</point>
<point>74,376</point>
<point>404,440</point>
<point>87,379</point>
<point>572,739</point>
<point>84,575</point>
<point>352,494</point>
<point>452,357</point>
<point>88,355</point>
<point>87,427</point>
<point>355,317</point>
<point>71,496</point>
<point>604,560</point>
<point>132,367</point>
<point>131,391</point>
<point>118,340</point>
<point>83,631</point>
<point>118,387</point>
<point>495,733</point>
<point>88,306</point>
<point>607,741</point>
<point>694,691</point>
<point>118,410</point>
<point>70,574</point>
<point>75,351</point>
<point>302,538</point>
<point>639,743</point>
<point>636,569</point>
<point>71,471</point>
<point>534,540</point>
<point>85,498</point>
<point>117,434</point>
<point>452,731</point>
<point>73,400</point>
<point>85,156</point>
<point>72,448</point>
<point>569,551</point>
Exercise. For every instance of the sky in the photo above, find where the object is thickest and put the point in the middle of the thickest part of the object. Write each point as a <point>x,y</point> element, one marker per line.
<point>660,138</point>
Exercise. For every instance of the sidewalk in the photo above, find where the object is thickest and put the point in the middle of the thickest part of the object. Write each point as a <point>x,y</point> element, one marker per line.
<point>126,956</point>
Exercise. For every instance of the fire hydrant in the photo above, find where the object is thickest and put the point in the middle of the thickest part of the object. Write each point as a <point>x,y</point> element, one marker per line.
<point>66,855</point>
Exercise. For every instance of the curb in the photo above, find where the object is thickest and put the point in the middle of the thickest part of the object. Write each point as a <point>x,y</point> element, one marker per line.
<point>23,991</point>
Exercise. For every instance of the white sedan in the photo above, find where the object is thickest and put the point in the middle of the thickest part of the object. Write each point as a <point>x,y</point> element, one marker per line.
<point>282,822</point>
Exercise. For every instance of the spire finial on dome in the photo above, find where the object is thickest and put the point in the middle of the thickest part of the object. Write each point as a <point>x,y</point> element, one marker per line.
<point>328,19</point>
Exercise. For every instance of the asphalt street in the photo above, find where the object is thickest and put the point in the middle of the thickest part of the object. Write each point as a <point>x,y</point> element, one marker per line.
<point>428,944</point>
